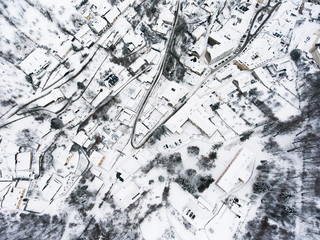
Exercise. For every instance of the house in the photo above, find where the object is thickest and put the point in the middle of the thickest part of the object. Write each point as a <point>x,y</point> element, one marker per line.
<point>85,36</point>
<point>220,48</point>
<point>63,49</point>
<point>35,205</point>
<point>103,8</point>
<point>194,65</point>
<point>198,32</point>
<point>315,50</point>
<point>237,171</point>
<point>173,92</point>
<point>200,118</point>
<point>99,25</point>
<point>23,165</point>
<point>132,40</point>
<point>128,193</point>
<point>13,198</point>
<point>123,6</point>
<point>81,139</point>
<point>112,15</point>
<point>196,114</point>
<point>166,16</point>
<point>51,188</point>
<point>160,28</point>
<point>137,65</point>
<point>36,62</point>
<point>97,158</point>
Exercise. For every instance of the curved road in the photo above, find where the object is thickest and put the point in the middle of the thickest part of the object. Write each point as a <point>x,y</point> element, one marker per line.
<point>155,81</point>
<point>178,106</point>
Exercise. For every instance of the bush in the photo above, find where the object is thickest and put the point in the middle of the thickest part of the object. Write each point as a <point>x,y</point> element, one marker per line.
<point>206,163</point>
<point>295,54</point>
<point>245,136</point>
<point>56,123</point>
<point>204,182</point>
<point>261,187</point>
<point>193,150</point>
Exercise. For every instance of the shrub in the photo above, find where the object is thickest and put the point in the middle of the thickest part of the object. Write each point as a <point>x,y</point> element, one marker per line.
<point>56,123</point>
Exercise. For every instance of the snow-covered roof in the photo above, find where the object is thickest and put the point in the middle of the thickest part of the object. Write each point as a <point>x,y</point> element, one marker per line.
<point>111,157</point>
<point>97,158</point>
<point>133,38</point>
<point>112,15</point>
<point>23,161</point>
<point>194,65</point>
<point>174,92</point>
<point>199,32</point>
<point>127,195</point>
<point>137,65</point>
<point>99,25</point>
<point>35,61</point>
<point>63,48</point>
<point>200,118</point>
<point>236,171</point>
<point>130,166</point>
<point>123,6</point>
<point>160,28</point>
<point>166,16</point>
<point>152,57</point>
<point>12,200</point>
<point>81,138</point>
<point>103,8</point>
<point>51,188</point>
<point>36,205</point>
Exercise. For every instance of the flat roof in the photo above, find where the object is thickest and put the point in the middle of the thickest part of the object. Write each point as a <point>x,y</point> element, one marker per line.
<point>236,171</point>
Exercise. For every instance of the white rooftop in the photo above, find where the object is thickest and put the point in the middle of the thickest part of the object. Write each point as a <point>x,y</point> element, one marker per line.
<point>112,15</point>
<point>127,195</point>
<point>236,171</point>
<point>24,161</point>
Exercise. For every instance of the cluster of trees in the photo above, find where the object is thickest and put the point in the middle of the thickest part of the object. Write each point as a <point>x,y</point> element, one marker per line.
<point>281,202</point>
<point>31,226</point>
<point>158,133</point>
<point>80,198</point>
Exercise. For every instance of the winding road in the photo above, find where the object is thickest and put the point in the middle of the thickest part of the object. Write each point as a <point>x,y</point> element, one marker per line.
<point>250,36</point>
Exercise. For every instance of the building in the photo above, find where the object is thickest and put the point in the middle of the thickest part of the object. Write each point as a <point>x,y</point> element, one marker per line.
<point>23,165</point>
<point>173,92</point>
<point>81,139</point>
<point>137,65</point>
<point>160,28</point>
<point>128,193</point>
<point>221,47</point>
<point>123,6</point>
<point>315,51</point>
<point>97,158</point>
<point>237,171</point>
<point>167,16</point>
<point>85,36</point>
<point>200,118</point>
<point>51,189</point>
<point>99,25</point>
<point>13,199</point>
<point>36,62</point>
<point>112,15</point>
<point>198,32</point>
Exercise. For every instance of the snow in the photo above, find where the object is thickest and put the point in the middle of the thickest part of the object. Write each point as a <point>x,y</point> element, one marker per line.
<point>112,15</point>
<point>236,171</point>
<point>128,194</point>
<point>84,44</point>
<point>51,189</point>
